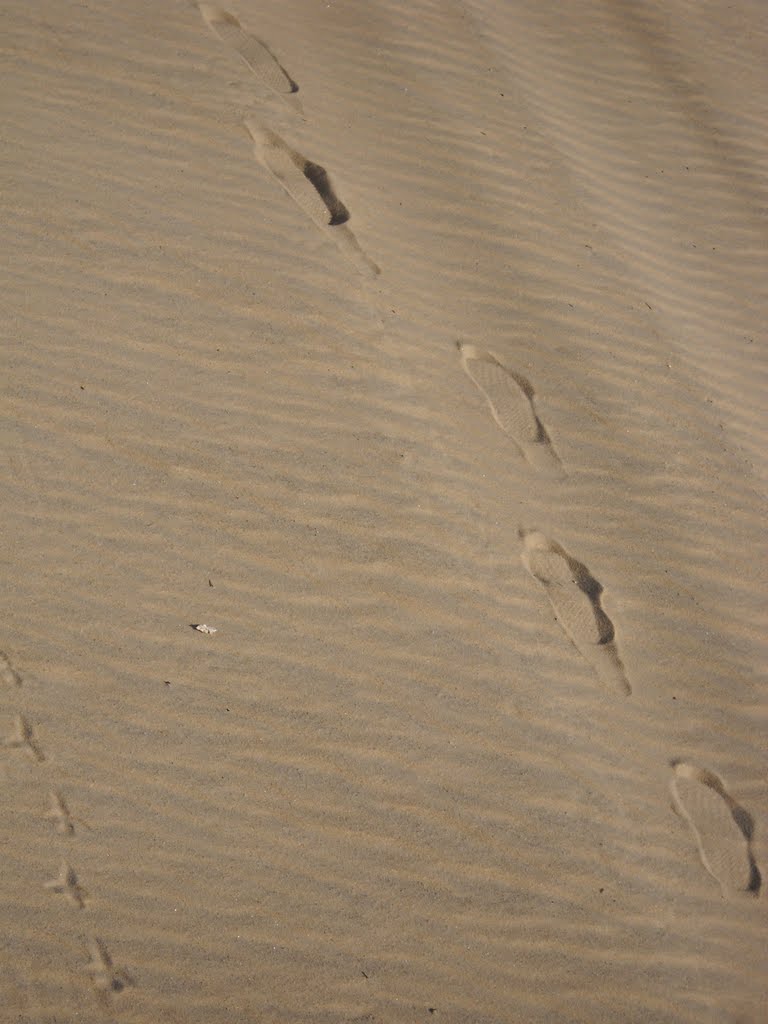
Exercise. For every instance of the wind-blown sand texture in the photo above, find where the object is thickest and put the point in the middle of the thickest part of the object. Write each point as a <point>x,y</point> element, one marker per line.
<point>388,787</point>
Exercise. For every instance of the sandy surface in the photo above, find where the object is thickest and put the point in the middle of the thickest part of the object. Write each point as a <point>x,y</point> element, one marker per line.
<point>481,734</point>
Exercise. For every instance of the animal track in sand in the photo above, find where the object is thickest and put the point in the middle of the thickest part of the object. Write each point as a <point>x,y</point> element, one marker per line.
<point>60,813</point>
<point>66,884</point>
<point>8,673</point>
<point>722,829</point>
<point>255,52</point>
<point>510,398</point>
<point>575,598</point>
<point>309,186</point>
<point>23,735</point>
<point>106,977</point>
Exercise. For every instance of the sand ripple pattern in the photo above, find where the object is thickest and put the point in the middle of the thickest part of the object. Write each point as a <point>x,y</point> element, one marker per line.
<point>390,783</point>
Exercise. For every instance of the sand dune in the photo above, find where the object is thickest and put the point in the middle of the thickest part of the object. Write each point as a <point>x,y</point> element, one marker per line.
<point>412,775</point>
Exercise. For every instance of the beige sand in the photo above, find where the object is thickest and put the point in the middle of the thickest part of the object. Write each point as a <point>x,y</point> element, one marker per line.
<point>388,788</point>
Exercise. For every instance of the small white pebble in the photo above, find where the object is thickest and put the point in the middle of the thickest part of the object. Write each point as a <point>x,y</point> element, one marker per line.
<point>202,628</point>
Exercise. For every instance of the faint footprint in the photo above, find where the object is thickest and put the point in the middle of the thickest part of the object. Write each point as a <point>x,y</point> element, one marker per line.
<point>23,736</point>
<point>723,830</point>
<point>67,885</point>
<point>106,977</point>
<point>575,597</point>
<point>310,188</point>
<point>510,398</point>
<point>8,673</point>
<point>256,54</point>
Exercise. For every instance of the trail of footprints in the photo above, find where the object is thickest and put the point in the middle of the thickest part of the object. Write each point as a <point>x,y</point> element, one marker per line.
<point>721,828</point>
<point>572,590</point>
<point>699,796</point>
<point>106,978</point>
<point>305,181</point>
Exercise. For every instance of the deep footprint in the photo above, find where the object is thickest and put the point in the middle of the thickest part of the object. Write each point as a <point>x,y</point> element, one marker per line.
<point>309,186</point>
<point>575,598</point>
<point>510,398</point>
<point>722,829</point>
<point>256,54</point>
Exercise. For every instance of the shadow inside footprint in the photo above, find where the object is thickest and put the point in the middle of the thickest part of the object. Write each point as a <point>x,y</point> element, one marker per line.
<point>589,586</point>
<point>318,176</point>
<point>510,398</point>
<point>755,878</point>
<point>309,185</point>
<point>723,829</point>
<point>574,595</point>
<point>254,51</point>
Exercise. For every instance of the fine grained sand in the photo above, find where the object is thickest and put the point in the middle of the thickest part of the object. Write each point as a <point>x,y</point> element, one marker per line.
<point>396,784</point>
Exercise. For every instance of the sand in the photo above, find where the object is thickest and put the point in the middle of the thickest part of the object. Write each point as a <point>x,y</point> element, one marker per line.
<point>247,253</point>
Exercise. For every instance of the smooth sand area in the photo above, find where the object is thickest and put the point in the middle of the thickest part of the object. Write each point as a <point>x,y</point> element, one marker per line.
<point>419,351</point>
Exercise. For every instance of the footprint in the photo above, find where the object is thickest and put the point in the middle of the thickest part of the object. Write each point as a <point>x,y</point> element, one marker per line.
<point>23,736</point>
<point>510,398</point>
<point>310,188</point>
<point>575,597</point>
<point>106,978</point>
<point>256,54</point>
<point>722,829</point>
<point>8,673</point>
<point>67,885</point>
